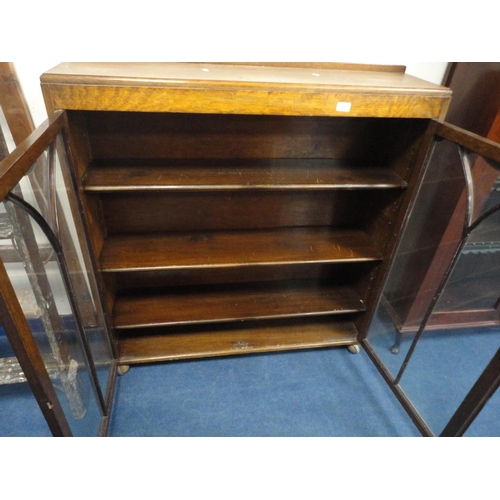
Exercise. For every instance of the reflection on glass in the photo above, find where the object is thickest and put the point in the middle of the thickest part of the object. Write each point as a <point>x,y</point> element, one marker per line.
<point>84,284</point>
<point>56,288</point>
<point>35,274</point>
<point>447,361</point>
<point>19,411</point>
<point>442,296</point>
<point>427,241</point>
<point>51,193</point>
<point>463,331</point>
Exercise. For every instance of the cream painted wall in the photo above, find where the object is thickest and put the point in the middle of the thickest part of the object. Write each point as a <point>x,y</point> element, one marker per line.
<point>29,75</point>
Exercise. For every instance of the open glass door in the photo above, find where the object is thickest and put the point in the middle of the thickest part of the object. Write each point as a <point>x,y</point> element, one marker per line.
<point>436,327</point>
<point>50,306</point>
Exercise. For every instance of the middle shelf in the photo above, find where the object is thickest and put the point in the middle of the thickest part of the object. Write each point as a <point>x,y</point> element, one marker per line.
<point>211,249</point>
<point>223,303</point>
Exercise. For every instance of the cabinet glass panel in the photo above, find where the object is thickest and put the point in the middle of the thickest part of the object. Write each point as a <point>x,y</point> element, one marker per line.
<point>427,241</point>
<point>463,332</point>
<point>48,263</point>
<point>56,202</point>
<point>447,362</point>
<point>441,300</point>
<point>39,285</point>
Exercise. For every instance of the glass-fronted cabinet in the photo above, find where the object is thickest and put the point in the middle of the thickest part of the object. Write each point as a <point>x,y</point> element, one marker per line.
<point>383,223</point>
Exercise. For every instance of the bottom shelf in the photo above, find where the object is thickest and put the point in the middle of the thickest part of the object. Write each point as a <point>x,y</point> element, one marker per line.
<point>230,339</point>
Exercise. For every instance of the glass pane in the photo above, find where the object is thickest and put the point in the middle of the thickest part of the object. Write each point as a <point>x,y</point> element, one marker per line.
<point>56,287</point>
<point>427,244</point>
<point>50,176</point>
<point>463,332</point>
<point>35,274</point>
<point>20,414</point>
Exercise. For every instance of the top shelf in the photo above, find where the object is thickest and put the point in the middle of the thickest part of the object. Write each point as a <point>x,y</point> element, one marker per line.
<point>277,174</point>
<point>338,77</point>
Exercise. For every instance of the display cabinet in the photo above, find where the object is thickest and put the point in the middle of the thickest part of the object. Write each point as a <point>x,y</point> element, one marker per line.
<point>235,208</point>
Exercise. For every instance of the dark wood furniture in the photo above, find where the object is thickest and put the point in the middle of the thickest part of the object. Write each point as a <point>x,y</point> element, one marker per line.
<point>238,208</point>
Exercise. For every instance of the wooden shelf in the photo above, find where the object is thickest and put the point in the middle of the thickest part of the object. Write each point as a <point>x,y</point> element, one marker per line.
<point>206,304</point>
<point>205,175</point>
<point>231,339</point>
<point>146,252</point>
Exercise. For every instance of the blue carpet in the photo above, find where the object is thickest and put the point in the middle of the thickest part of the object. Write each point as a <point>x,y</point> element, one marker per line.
<point>444,367</point>
<point>20,415</point>
<point>326,392</point>
<point>487,423</point>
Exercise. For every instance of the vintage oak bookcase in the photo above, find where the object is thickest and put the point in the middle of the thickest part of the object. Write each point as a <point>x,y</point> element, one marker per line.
<point>236,208</point>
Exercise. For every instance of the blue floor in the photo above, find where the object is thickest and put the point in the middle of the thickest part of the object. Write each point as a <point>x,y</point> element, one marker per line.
<point>326,392</point>
<point>444,367</point>
<point>320,392</point>
<point>20,415</point>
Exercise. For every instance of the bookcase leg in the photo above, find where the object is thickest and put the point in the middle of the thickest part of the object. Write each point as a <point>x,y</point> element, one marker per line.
<point>122,369</point>
<point>397,343</point>
<point>354,349</point>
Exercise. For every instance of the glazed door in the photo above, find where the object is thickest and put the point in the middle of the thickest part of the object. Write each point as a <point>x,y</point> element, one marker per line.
<point>50,308</point>
<point>436,327</point>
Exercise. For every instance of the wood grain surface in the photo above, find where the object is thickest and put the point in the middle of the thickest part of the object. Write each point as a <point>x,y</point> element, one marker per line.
<point>209,75</point>
<point>226,88</point>
<point>236,338</point>
<point>207,175</point>
<point>227,210</point>
<point>205,304</point>
<point>126,253</point>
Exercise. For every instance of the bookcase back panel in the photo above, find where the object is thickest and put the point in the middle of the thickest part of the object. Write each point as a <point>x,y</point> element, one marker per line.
<point>160,212</point>
<point>171,135</point>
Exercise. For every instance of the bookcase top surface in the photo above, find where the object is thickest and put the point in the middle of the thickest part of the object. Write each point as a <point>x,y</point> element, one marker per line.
<point>376,78</point>
<point>268,88</point>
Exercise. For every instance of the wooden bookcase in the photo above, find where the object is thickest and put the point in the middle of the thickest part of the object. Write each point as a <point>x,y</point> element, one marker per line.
<point>238,208</point>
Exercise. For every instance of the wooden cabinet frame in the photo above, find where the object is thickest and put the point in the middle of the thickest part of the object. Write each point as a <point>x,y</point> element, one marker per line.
<point>237,208</point>
<point>281,187</point>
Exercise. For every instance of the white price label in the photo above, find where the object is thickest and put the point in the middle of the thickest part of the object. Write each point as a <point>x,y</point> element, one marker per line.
<point>344,107</point>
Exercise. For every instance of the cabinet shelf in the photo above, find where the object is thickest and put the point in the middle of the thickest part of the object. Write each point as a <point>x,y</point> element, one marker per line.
<point>206,304</point>
<point>230,339</point>
<point>206,175</point>
<point>148,252</point>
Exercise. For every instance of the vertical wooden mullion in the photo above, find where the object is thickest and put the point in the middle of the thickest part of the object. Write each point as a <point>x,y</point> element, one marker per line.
<point>24,346</point>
